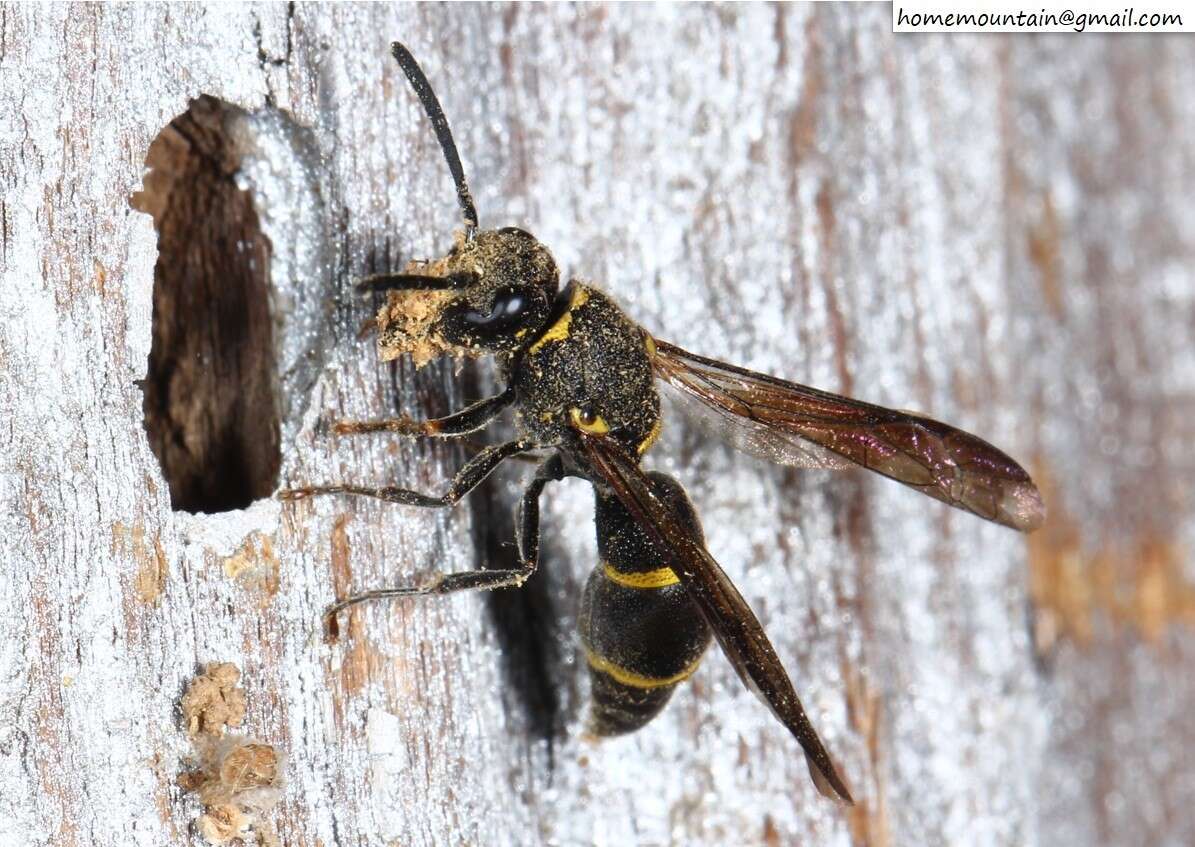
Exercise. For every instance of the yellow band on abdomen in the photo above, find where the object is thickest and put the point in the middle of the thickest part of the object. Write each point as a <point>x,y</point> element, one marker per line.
<point>659,578</point>
<point>637,680</point>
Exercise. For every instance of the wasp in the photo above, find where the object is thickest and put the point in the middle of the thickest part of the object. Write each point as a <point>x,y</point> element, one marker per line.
<point>581,378</point>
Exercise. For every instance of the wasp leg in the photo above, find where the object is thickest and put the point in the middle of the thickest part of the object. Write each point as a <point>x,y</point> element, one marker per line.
<point>463,422</point>
<point>474,471</point>
<point>483,580</point>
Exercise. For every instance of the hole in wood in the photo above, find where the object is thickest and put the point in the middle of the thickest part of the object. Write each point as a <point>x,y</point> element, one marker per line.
<point>211,407</point>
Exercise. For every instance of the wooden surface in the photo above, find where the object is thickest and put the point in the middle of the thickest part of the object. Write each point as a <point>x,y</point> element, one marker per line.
<point>994,230</point>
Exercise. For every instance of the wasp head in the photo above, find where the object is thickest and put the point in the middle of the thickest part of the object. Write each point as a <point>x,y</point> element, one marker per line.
<point>491,294</point>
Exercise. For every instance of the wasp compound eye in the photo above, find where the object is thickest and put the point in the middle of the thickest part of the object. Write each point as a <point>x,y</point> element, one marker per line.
<point>586,419</point>
<point>508,310</point>
<point>509,319</point>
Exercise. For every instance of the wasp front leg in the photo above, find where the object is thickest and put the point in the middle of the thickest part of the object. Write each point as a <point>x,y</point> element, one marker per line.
<point>466,421</point>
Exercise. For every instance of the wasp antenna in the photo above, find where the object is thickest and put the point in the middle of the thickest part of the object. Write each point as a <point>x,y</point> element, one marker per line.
<point>431,105</point>
<point>414,282</point>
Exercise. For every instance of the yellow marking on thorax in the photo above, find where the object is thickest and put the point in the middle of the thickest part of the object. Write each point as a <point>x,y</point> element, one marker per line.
<point>559,330</point>
<point>637,680</point>
<point>596,426</point>
<point>659,578</point>
<point>646,443</point>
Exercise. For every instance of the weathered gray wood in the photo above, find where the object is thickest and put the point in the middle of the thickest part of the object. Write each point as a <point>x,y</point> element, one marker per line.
<point>994,230</point>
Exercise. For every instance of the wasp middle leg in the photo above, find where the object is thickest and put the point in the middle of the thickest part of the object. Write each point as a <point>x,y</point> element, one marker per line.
<point>468,478</point>
<point>479,580</point>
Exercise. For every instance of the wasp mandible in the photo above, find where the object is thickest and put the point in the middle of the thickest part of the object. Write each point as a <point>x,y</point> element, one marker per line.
<point>581,378</point>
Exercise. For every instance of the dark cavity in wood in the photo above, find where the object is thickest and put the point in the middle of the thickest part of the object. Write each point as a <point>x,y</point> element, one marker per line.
<point>211,410</point>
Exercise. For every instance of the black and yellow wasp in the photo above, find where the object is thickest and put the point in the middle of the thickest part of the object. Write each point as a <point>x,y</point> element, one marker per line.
<point>581,378</point>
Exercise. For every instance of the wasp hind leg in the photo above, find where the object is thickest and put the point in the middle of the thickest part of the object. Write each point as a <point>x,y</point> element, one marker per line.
<point>480,580</point>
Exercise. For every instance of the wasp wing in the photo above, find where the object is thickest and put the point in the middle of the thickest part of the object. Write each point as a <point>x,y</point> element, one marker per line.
<point>734,624</point>
<point>795,425</point>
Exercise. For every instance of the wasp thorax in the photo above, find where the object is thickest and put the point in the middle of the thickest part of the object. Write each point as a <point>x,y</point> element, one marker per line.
<point>501,285</point>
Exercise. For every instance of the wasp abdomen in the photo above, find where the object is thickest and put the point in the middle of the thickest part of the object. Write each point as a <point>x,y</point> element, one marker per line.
<point>642,633</point>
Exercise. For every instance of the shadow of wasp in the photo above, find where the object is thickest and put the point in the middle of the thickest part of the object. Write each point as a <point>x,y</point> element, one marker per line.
<point>581,378</point>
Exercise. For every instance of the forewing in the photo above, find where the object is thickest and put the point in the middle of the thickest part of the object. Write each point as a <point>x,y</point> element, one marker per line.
<point>795,425</point>
<point>734,624</point>
<point>751,436</point>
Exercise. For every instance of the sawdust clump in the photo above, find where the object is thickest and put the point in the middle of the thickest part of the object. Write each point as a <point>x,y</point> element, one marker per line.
<point>407,320</point>
<point>406,324</point>
<point>238,780</point>
<point>213,701</point>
